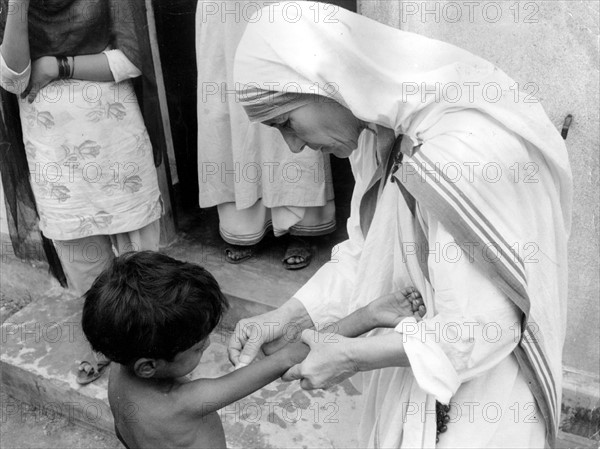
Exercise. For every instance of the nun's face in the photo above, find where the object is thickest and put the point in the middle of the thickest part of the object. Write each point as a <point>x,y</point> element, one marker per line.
<point>324,126</point>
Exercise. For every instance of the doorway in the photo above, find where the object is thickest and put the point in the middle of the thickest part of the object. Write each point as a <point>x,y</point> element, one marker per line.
<point>198,229</point>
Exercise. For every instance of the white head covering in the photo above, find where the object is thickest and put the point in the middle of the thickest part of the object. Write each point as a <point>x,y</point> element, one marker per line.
<point>407,83</point>
<point>386,76</point>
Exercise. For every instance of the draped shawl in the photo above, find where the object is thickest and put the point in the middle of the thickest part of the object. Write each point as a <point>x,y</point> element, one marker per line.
<point>405,82</point>
<point>70,27</point>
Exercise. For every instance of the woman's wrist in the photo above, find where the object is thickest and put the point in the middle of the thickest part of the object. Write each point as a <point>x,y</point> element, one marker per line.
<point>50,66</point>
<point>292,314</point>
<point>351,351</point>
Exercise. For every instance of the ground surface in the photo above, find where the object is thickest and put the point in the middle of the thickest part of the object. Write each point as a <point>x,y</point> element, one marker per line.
<point>22,426</point>
<point>20,283</point>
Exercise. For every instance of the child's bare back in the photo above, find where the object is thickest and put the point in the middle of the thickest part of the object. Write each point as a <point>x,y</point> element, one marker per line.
<point>149,416</point>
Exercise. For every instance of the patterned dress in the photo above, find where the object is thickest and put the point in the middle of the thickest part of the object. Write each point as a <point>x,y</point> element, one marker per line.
<point>89,154</point>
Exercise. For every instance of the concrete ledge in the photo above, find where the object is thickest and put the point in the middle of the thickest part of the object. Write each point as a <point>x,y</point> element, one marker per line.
<point>41,347</point>
<point>52,397</point>
<point>580,389</point>
<point>570,441</point>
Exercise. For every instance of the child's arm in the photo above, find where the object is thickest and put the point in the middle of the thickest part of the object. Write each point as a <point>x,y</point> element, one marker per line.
<point>204,396</point>
<point>386,311</point>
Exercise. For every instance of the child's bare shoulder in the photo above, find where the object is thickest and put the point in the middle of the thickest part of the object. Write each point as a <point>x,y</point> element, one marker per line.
<point>145,415</point>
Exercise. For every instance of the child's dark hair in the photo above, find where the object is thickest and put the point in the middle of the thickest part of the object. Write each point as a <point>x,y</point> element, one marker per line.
<point>146,304</point>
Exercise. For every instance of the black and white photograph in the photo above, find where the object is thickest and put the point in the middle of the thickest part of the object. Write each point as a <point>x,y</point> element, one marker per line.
<point>332,224</point>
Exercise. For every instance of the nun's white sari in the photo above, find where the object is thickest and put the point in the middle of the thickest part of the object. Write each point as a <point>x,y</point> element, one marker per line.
<point>485,242</point>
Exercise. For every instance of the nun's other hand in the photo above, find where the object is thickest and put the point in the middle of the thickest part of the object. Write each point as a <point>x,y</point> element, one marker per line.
<point>328,362</point>
<point>44,70</point>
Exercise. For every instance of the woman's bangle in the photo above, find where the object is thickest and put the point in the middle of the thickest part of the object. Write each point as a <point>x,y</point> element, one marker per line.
<point>67,68</point>
<point>64,68</point>
<point>60,66</point>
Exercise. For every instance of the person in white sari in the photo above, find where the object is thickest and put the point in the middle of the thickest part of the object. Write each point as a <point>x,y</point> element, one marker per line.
<point>243,168</point>
<point>463,190</point>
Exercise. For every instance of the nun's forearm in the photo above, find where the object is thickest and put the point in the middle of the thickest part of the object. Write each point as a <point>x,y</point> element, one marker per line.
<point>15,44</point>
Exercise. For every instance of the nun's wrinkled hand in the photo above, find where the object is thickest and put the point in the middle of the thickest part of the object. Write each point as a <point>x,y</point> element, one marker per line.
<point>44,70</point>
<point>256,334</point>
<point>328,362</point>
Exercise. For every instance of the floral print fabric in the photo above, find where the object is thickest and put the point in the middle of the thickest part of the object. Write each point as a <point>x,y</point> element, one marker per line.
<point>90,159</point>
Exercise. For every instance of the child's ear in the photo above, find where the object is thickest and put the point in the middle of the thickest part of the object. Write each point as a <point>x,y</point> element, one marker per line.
<point>145,368</point>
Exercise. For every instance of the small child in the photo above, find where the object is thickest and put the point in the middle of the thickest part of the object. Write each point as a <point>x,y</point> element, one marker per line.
<point>153,315</point>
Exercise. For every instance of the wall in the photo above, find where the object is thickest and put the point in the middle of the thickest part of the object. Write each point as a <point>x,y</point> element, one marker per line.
<point>3,222</point>
<point>553,44</point>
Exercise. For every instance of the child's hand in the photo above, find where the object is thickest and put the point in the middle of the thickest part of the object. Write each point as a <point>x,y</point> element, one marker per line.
<point>389,310</point>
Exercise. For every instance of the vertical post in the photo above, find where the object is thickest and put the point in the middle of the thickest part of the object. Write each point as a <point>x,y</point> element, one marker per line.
<point>168,232</point>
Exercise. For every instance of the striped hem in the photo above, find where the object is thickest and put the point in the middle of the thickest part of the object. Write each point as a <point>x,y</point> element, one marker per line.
<point>470,228</point>
<point>246,239</point>
<point>318,230</point>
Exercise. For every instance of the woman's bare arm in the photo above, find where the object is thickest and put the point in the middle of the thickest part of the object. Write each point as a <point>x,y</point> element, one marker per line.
<point>15,44</point>
<point>44,70</point>
<point>91,68</point>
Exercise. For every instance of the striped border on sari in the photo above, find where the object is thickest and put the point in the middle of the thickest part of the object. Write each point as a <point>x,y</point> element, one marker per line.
<point>474,233</point>
<point>263,105</point>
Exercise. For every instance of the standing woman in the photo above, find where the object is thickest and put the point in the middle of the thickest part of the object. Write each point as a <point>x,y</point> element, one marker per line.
<point>71,65</point>
<point>463,190</point>
<point>246,169</point>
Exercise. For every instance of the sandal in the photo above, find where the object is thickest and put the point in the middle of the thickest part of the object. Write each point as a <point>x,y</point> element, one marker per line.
<point>243,252</point>
<point>89,371</point>
<point>300,249</point>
